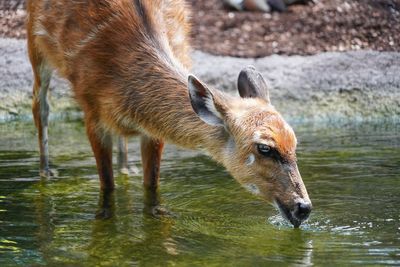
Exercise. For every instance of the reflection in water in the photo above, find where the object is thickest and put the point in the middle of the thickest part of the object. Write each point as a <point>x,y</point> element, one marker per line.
<point>101,248</point>
<point>157,225</point>
<point>44,211</point>
<point>200,216</point>
<point>106,205</point>
<point>153,235</point>
<point>306,249</point>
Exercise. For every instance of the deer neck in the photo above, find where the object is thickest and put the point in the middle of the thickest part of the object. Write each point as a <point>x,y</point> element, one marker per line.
<point>159,104</point>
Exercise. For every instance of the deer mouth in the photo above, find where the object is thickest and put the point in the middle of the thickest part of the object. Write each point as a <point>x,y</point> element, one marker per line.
<point>288,214</point>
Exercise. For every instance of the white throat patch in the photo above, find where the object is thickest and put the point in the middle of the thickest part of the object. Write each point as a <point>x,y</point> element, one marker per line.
<point>252,188</point>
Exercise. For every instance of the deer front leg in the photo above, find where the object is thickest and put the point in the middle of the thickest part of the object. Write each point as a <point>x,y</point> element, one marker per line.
<point>40,104</point>
<point>40,110</point>
<point>151,156</point>
<point>101,142</point>
<point>123,155</point>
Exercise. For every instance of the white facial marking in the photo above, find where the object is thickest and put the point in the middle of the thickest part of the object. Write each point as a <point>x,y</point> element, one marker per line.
<point>300,201</point>
<point>252,188</point>
<point>230,147</point>
<point>275,204</point>
<point>257,136</point>
<point>250,160</point>
<point>258,140</point>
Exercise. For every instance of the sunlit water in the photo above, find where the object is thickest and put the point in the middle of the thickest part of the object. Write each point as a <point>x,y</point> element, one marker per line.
<point>201,216</point>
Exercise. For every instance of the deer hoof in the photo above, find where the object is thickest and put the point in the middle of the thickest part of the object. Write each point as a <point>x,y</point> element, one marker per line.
<point>124,171</point>
<point>48,173</point>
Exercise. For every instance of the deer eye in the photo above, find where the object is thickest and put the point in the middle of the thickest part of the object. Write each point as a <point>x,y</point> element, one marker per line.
<point>264,150</point>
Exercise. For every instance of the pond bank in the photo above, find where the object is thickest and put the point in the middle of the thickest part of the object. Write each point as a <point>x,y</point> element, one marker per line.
<point>363,85</point>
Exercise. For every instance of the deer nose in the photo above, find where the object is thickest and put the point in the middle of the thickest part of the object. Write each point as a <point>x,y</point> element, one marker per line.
<point>303,210</point>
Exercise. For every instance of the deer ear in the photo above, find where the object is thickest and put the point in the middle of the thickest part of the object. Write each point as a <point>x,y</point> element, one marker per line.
<point>203,102</point>
<point>252,84</point>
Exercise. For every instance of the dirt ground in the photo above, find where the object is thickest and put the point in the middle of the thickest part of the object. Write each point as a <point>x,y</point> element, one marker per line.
<point>319,26</point>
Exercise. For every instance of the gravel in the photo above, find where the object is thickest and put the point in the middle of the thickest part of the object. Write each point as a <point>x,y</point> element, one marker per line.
<point>319,26</point>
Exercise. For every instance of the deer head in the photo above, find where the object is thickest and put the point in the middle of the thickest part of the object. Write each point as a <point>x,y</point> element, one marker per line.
<point>259,146</point>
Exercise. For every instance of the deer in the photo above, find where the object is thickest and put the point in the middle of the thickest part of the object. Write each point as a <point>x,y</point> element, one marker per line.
<point>128,64</point>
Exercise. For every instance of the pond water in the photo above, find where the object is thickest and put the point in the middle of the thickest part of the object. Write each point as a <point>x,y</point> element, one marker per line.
<point>204,217</point>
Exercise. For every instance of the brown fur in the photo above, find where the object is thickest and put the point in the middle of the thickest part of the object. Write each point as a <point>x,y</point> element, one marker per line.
<point>127,62</point>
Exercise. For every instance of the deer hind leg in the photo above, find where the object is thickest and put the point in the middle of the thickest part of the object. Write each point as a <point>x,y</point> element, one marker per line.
<point>40,107</point>
<point>122,158</point>
<point>101,142</point>
<point>151,157</point>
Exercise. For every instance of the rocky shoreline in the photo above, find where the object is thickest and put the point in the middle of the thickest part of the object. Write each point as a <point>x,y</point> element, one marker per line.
<point>361,85</point>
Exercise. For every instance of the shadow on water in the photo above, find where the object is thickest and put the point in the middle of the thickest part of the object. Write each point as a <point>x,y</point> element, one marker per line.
<point>200,216</point>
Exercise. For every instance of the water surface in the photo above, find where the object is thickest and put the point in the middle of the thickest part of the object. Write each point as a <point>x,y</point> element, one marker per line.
<point>201,216</point>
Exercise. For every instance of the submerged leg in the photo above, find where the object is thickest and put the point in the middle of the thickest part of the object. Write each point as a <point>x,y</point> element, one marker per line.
<point>123,155</point>
<point>151,156</point>
<point>101,142</point>
<point>40,107</point>
<point>106,205</point>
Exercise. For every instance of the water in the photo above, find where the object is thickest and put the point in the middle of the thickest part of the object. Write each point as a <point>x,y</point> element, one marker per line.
<point>201,216</point>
